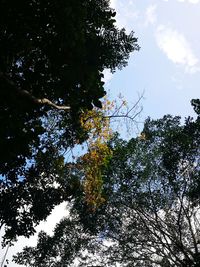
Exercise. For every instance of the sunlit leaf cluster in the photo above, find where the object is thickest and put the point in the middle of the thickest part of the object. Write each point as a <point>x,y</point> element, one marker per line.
<point>97,123</point>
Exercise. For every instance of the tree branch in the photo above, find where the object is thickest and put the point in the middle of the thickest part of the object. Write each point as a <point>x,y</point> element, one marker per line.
<point>35,100</point>
<point>42,101</point>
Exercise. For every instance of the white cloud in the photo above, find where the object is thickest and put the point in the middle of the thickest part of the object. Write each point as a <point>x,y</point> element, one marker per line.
<point>190,1</point>
<point>107,76</point>
<point>150,15</point>
<point>113,3</point>
<point>177,48</point>
<point>186,1</point>
<point>127,13</point>
<point>194,1</point>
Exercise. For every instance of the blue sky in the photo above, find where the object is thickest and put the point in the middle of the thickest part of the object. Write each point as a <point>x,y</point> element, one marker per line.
<point>167,67</point>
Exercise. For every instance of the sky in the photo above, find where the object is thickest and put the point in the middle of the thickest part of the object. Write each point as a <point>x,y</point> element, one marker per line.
<point>166,69</point>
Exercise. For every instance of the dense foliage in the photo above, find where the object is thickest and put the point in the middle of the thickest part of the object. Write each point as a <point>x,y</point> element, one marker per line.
<point>151,213</point>
<point>52,57</point>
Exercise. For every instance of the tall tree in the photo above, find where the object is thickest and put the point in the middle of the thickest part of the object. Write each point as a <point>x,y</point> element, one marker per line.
<point>52,55</point>
<point>151,213</point>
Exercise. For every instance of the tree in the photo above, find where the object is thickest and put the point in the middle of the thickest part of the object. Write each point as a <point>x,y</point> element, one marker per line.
<point>98,124</point>
<point>52,57</point>
<point>66,233</point>
<point>151,213</point>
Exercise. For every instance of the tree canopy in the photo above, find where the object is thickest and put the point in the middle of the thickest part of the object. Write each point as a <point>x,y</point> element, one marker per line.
<point>52,57</point>
<point>151,213</point>
<point>133,203</point>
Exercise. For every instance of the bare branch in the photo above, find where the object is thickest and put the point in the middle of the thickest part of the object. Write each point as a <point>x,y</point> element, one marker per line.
<point>125,116</point>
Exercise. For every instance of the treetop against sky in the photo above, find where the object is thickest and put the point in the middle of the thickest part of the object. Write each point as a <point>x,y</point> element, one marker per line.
<point>167,66</point>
